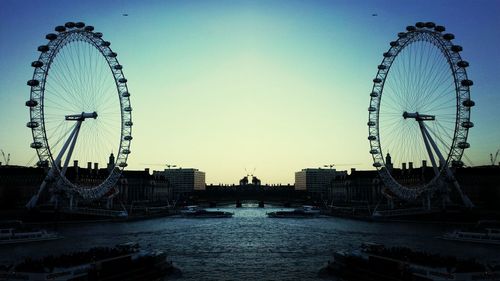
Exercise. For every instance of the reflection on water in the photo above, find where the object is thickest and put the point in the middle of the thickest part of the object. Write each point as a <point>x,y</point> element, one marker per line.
<point>251,246</point>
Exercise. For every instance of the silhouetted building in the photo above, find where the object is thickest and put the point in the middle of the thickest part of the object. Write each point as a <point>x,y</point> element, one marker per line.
<point>358,187</point>
<point>18,184</point>
<point>244,181</point>
<point>315,181</point>
<point>184,181</point>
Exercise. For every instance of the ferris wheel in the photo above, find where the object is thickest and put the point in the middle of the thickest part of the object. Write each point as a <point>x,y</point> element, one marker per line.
<point>79,110</point>
<point>420,112</point>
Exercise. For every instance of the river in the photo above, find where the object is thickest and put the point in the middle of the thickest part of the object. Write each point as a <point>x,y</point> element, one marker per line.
<point>251,246</point>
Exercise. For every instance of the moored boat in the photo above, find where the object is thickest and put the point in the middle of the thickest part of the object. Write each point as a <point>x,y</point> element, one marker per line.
<point>197,212</point>
<point>122,262</point>
<point>487,232</point>
<point>13,232</point>
<point>305,212</point>
<point>375,262</point>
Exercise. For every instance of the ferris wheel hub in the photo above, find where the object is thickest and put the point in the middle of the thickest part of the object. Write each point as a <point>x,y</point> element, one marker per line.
<point>81,117</point>
<point>419,117</point>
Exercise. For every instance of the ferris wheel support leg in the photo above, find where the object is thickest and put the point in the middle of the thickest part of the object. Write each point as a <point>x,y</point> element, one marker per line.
<point>467,202</point>
<point>428,148</point>
<point>52,172</point>
<point>72,146</point>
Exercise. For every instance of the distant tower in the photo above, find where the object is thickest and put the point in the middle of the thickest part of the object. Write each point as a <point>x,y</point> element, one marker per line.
<point>111,162</point>
<point>388,161</point>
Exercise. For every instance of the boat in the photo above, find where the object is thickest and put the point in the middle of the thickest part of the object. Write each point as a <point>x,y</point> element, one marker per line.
<point>305,212</point>
<point>487,232</point>
<point>375,262</point>
<point>197,212</point>
<point>13,232</point>
<point>122,262</point>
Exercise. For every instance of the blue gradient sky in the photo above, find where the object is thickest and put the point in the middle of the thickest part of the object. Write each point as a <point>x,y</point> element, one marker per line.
<point>228,85</point>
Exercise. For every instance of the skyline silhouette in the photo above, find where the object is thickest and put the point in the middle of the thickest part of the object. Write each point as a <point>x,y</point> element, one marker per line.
<point>224,86</point>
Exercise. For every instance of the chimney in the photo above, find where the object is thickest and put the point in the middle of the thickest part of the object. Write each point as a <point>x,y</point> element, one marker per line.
<point>410,165</point>
<point>424,163</point>
<point>404,166</point>
<point>89,166</point>
<point>146,170</point>
<point>75,164</point>
<point>353,170</point>
<point>96,168</point>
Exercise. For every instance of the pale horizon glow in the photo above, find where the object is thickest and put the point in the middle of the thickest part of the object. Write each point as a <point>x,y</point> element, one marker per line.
<point>229,86</point>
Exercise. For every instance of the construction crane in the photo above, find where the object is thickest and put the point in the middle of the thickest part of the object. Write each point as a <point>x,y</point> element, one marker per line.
<point>493,159</point>
<point>335,165</point>
<point>6,159</point>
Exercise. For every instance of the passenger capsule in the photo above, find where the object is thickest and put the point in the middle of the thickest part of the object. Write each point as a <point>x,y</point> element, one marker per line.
<point>51,36</point>
<point>387,55</point>
<point>468,103</point>
<point>69,24</point>
<point>105,43</point>
<point>31,103</point>
<point>127,138</point>
<point>37,63</point>
<point>32,124</point>
<point>457,163</point>
<point>118,67</point>
<point>60,28</point>
<point>374,151</point>
<point>36,145</point>
<point>467,124</point>
<point>128,109</point>
<point>462,63</point>
<point>126,151</point>
<point>123,164</point>
<point>467,83</point>
<point>463,145</point>
<point>79,24</point>
<point>430,24</point>
<point>456,48</point>
<point>112,54</point>
<point>373,94</point>
<point>377,165</point>
<point>448,36</point>
<point>98,34</point>
<point>410,28</point>
<point>89,28</point>
<point>394,43</point>
<point>420,24</point>
<point>126,94</point>
<point>129,123</point>
<point>372,138</point>
<point>370,123</point>
<point>122,80</point>
<point>33,83</point>
<point>372,109</point>
<point>439,28</point>
<point>43,48</point>
<point>402,34</point>
<point>382,67</point>
<point>377,80</point>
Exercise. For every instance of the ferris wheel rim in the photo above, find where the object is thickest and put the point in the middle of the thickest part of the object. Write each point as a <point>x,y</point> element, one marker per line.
<point>422,31</point>
<point>68,34</point>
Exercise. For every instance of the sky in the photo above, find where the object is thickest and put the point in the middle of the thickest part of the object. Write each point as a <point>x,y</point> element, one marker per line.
<point>233,86</point>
